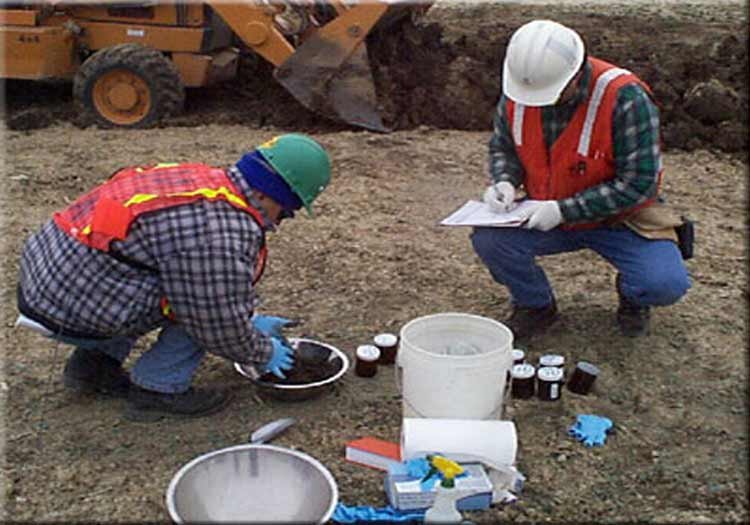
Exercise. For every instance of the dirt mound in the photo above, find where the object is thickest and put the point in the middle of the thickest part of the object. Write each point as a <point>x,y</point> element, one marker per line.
<point>698,73</point>
<point>444,72</point>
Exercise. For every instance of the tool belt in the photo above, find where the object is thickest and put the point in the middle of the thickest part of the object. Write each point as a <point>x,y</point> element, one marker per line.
<point>658,221</point>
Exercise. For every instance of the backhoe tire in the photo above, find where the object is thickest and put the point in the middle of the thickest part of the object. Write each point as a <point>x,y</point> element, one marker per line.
<point>127,85</point>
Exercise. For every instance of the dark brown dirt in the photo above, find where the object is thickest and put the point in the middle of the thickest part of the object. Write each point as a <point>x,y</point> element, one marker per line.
<point>308,367</point>
<point>444,72</point>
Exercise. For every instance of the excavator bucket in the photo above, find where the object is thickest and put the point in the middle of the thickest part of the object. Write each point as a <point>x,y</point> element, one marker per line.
<point>333,82</point>
<point>330,72</point>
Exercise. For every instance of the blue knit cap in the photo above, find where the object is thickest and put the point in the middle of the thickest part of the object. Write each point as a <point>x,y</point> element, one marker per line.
<point>262,177</point>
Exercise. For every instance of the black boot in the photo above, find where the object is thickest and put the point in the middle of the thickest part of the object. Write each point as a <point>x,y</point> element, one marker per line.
<point>94,372</point>
<point>526,322</point>
<point>148,405</point>
<point>634,320</point>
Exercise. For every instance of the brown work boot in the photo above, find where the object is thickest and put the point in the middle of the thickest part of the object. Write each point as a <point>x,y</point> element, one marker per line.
<point>525,322</point>
<point>94,372</point>
<point>148,406</point>
<point>633,320</point>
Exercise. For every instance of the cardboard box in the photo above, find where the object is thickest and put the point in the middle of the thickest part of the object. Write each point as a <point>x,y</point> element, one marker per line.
<point>404,492</point>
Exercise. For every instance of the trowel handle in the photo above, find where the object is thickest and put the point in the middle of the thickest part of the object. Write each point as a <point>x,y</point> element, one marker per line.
<point>270,430</point>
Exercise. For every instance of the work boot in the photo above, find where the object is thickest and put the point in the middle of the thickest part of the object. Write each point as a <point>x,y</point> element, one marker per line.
<point>148,405</point>
<point>525,322</point>
<point>94,372</point>
<point>634,320</point>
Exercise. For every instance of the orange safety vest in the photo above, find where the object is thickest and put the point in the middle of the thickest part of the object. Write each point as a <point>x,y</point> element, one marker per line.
<point>105,213</point>
<point>583,154</point>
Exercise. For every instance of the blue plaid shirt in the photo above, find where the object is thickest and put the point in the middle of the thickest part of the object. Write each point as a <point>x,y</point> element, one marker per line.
<point>635,136</point>
<point>201,256</point>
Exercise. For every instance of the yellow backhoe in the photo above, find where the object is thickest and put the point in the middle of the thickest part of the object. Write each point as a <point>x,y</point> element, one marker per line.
<point>130,61</point>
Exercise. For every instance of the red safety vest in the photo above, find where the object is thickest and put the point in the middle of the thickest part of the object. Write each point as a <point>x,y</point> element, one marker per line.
<point>105,213</point>
<point>583,154</point>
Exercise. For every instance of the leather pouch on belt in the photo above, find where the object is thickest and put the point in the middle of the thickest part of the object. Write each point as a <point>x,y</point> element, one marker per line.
<point>657,221</point>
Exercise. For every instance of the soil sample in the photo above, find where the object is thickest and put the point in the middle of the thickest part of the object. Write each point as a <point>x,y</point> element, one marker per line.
<point>311,364</point>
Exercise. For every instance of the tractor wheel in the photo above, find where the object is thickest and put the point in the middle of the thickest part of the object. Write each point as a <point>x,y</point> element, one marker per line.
<point>128,85</point>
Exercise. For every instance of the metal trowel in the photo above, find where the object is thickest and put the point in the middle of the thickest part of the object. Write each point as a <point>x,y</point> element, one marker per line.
<point>270,430</point>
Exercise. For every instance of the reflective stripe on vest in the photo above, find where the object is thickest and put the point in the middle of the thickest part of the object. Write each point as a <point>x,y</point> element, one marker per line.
<point>595,101</point>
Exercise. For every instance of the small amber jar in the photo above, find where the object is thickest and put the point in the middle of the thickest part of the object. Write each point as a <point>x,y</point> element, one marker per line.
<point>549,383</point>
<point>366,364</point>
<point>388,346</point>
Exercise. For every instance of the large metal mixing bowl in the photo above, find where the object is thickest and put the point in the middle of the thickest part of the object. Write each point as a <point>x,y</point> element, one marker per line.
<point>306,350</point>
<point>252,484</point>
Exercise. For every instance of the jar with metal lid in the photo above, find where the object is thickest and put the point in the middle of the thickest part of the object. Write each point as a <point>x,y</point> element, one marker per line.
<point>582,378</point>
<point>366,364</point>
<point>549,383</point>
<point>388,346</point>
<point>522,381</point>
<point>555,360</point>
<point>519,356</point>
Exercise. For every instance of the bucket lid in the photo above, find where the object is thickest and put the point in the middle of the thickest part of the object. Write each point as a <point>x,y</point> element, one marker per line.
<point>550,373</point>
<point>551,360</point>
<point>522,371</point>
<point>385,340</point>
<point>368,352</point>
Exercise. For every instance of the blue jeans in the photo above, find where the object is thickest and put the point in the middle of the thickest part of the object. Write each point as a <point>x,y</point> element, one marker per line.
<point>652,272</point>
<point>168,366</point>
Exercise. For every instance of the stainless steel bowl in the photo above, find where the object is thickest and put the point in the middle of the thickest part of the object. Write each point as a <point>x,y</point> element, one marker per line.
<point>313,351</point>
<point>251,484</point>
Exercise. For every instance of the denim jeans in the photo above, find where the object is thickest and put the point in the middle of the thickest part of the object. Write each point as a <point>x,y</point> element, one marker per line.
<point>652,272</point>
<point>168,366</point>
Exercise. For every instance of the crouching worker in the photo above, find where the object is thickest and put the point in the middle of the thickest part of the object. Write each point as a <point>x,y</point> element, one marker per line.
<point>582,138</point>
<point>175,247</point>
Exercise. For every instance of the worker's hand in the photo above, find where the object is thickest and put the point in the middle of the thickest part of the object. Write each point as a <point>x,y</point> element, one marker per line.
<point>499,197</point>
<point>544,216</point>
<point>282,358</point>
<point>271,325</point>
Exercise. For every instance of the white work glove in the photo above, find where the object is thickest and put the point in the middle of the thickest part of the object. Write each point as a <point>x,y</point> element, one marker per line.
<point>499,197</point>
<point>544,216</point>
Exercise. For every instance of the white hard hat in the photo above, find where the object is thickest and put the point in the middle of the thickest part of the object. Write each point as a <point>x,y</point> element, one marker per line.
<point>541,58</point>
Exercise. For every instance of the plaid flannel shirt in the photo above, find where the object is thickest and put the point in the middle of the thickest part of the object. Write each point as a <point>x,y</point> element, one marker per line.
<point>201,256</point>
<point>635,135</point>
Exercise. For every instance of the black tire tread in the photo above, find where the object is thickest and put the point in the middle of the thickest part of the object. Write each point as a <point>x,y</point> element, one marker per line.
<point>157,70</point>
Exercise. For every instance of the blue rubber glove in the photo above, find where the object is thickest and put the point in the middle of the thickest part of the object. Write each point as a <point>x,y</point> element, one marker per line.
<point>590,429</point>
<point>271,325</point>
<point>347,514</point>
<point>282,358</point>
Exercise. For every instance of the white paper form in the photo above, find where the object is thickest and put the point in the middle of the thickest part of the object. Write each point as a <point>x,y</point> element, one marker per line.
<point>476,213</point>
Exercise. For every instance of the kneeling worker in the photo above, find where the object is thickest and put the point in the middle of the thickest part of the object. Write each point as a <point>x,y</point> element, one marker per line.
<point>175,247</point>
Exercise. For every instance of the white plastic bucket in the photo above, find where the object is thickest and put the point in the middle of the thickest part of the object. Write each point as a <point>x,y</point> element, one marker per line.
<point>437,383</point>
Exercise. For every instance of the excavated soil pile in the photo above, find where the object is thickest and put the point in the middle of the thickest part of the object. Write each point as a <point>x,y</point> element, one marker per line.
<point>444,72</point>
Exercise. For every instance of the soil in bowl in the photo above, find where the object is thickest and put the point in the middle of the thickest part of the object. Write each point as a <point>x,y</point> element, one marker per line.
<point>311,364</point>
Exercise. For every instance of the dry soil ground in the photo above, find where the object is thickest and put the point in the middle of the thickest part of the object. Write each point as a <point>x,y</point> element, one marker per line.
<point>374,259</point>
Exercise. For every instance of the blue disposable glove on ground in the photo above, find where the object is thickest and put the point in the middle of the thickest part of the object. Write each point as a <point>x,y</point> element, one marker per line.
<point>271,325</point>
<point>347,514</point>
<point>590,429</point>
<point>282,358</point>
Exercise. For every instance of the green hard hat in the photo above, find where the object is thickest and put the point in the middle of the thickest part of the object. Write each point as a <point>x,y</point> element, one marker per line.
<point>301,162</point>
